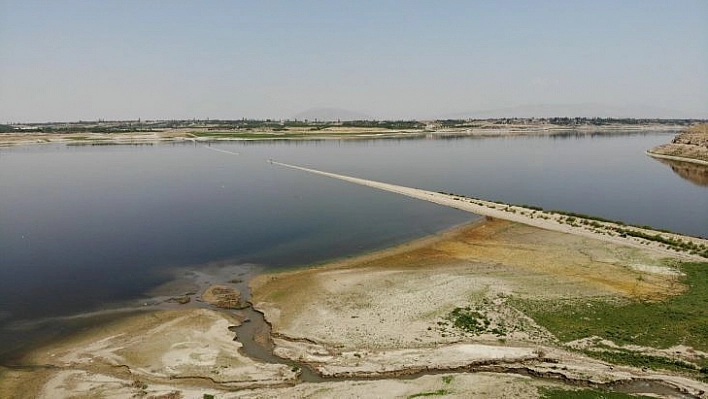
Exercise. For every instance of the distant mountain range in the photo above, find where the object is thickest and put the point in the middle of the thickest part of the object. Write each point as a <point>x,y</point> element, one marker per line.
<point>589,110</point>
<point>331,114</point>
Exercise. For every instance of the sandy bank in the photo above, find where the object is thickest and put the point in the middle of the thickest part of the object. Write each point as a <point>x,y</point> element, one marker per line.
<point>677,158</point>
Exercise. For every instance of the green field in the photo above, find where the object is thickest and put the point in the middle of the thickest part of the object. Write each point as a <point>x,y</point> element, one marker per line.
<point>680,320</point>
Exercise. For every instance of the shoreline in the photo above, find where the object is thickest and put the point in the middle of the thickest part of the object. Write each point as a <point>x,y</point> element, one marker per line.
<point>187,135</point>
<point>677,158</point>
<point>690,145</point>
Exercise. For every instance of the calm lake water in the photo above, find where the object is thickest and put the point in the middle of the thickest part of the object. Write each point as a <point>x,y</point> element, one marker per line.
<point>83,226</point>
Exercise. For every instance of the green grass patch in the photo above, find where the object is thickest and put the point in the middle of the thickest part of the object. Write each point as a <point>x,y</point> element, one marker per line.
<point>559,393</point>
<point>439,392</point>
<point>469,320</point>
<point>682,319</point>
<point>677,244</point>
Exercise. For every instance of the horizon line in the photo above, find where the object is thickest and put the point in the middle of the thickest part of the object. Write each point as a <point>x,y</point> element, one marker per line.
<point>340,120</point>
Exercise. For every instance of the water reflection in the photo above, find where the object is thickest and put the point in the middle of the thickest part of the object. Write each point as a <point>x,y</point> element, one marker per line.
<point>696,174</point>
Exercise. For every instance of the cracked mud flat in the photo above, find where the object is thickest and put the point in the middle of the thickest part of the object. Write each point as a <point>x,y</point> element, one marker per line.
<point>375,326</point>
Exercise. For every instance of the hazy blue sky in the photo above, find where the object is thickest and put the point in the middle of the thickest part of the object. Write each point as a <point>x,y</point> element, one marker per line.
<point>70,60</point>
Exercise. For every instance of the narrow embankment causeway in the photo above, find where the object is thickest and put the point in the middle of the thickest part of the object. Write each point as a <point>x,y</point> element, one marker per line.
<point>672,244</point>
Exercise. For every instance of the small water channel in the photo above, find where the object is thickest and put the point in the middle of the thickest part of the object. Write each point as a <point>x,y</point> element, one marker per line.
<point>255,336</point>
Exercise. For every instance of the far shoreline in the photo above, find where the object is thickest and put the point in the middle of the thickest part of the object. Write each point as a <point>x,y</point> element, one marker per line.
<point>206,134</point>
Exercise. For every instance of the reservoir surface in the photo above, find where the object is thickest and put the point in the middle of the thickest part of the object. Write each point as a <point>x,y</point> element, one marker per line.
<point>85,226</point>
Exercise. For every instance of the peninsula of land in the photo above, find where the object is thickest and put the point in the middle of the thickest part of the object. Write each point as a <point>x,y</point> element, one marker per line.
<point>689,146</point>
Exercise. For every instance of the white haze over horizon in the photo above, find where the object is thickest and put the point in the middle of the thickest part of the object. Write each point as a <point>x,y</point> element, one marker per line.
<point>123,60</point>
